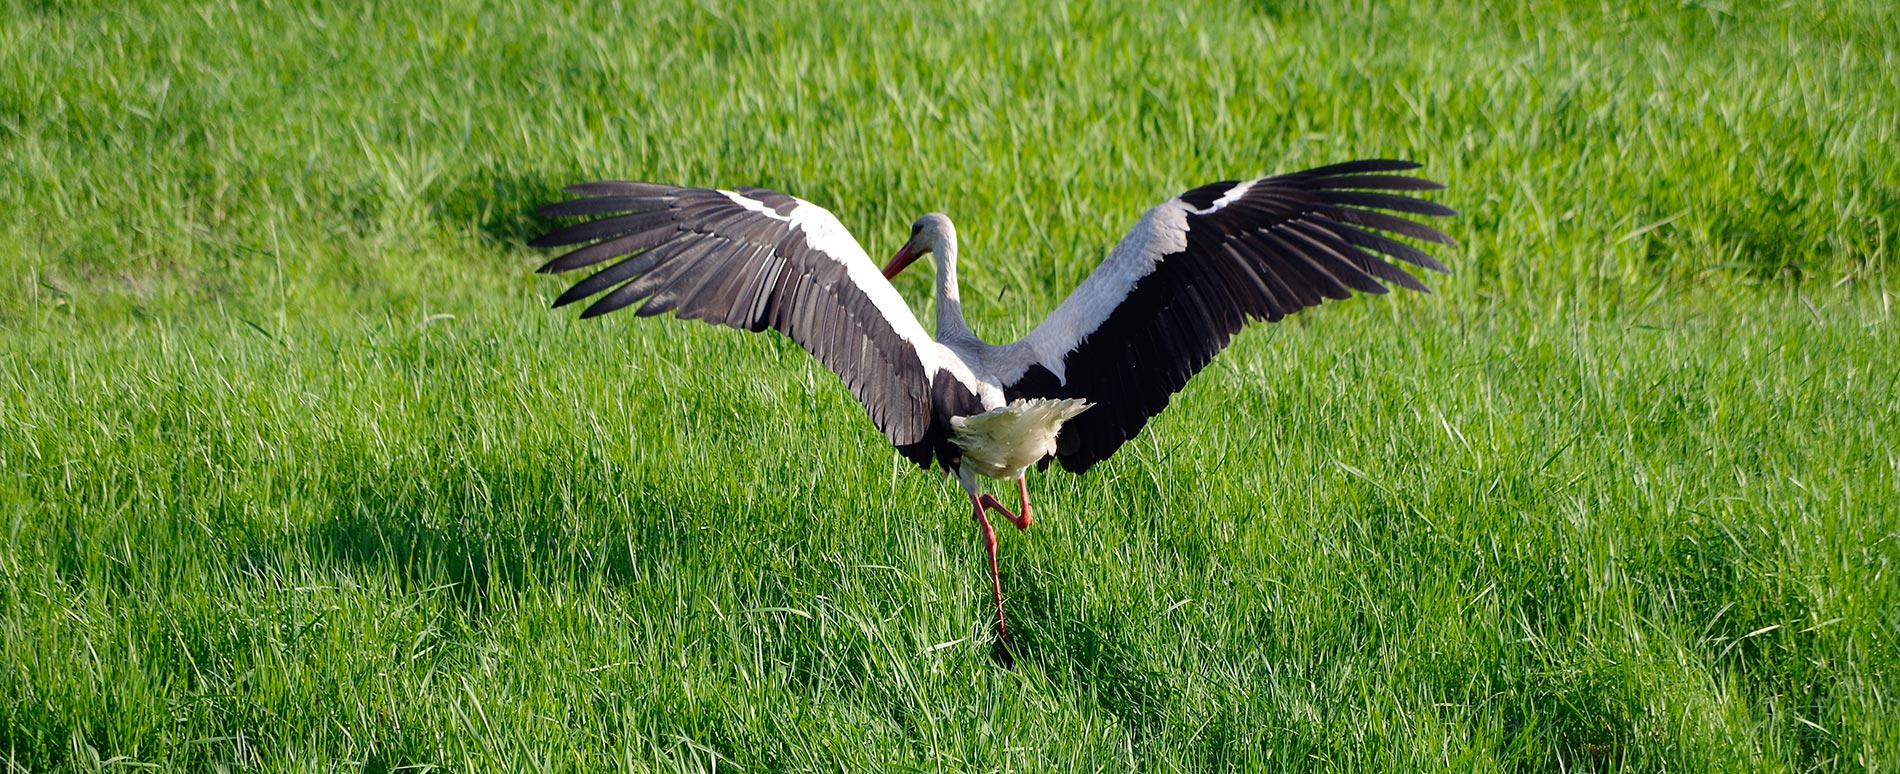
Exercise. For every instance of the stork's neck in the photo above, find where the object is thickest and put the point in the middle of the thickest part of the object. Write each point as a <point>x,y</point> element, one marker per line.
<point>950,324</point>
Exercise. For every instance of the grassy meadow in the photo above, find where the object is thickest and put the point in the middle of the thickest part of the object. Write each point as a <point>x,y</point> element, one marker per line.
<point>299,473</point>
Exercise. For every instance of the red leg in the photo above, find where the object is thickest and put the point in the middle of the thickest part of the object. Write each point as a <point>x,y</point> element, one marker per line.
<point>989,546</point>
<point>1022,490</point>
<point>1022,521</point>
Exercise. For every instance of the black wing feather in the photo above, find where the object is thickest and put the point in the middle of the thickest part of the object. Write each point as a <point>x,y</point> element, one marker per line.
<point>1284,244</point>
<point>704,255</point>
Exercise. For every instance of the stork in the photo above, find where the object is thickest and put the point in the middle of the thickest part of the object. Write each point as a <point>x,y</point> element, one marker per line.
<point>1192,273</point>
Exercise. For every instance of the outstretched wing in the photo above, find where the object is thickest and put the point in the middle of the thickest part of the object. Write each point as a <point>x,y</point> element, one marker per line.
<point>1196,269</point>
<point>754,259</point>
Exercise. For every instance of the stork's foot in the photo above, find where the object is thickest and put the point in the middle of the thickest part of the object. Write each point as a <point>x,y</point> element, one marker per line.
<point>1001,654</point>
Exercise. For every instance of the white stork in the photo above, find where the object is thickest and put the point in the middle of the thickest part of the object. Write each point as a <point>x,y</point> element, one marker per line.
<point>1194,271</point>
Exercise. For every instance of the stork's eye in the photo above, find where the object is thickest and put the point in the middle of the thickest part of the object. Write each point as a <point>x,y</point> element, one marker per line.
<point>916,227</point>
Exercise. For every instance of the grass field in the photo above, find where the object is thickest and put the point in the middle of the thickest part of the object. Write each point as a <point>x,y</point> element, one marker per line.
<point>298,472</point>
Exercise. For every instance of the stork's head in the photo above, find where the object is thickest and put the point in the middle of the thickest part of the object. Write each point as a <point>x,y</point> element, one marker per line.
<point>931,233</point>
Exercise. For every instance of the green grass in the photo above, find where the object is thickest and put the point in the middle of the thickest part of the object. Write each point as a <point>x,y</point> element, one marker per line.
<point>297,472</point>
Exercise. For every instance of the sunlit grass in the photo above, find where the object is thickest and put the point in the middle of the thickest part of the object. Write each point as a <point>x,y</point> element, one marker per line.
<point>297,471</point>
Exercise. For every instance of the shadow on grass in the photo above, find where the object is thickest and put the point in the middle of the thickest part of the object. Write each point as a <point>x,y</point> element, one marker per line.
<point>471,527</point>
<point>1092,656</point>
<point>500,204</point>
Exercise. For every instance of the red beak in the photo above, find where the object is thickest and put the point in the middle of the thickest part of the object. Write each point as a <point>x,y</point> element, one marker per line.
<point>904,257</point>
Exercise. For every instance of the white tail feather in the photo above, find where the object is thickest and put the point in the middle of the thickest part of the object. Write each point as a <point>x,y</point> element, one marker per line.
<point>1001,442</point>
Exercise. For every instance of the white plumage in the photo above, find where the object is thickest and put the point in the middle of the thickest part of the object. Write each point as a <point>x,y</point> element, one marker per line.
<point>1002,442</point>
